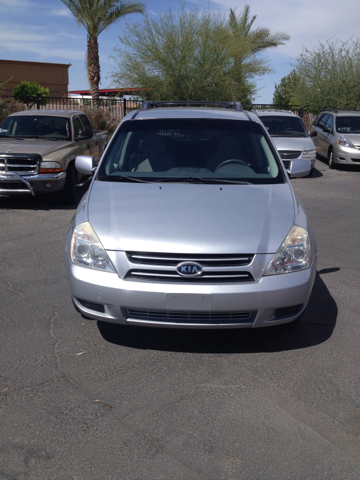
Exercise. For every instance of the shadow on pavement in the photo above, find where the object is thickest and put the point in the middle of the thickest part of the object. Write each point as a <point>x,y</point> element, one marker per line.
<point>313,328</point>
<point>315,174</point>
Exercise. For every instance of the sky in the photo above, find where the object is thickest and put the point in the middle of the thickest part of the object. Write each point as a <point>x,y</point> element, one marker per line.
<point>46,31</point>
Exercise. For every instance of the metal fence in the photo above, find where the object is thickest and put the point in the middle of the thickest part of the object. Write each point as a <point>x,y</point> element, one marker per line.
<point>119,107</point>
<point>116,107</point>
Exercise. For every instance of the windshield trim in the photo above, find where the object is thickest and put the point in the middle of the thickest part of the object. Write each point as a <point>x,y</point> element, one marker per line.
<point>259,148</point>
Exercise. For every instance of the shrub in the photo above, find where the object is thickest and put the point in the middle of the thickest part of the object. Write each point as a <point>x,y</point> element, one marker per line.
<point>8,106</point>
<point>27,91</point>
<point>100,119</point>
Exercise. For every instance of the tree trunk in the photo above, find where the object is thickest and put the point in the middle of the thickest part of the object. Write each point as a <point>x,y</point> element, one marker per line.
<point>93,65</point>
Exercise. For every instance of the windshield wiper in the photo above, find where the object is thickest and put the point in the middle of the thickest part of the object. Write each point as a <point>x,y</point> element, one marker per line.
<point>34,136</point>
<point>288,134</point>
<point>201,180</point>
<point>225,180</point>
<point>122,178</point>
<point>12,136</point>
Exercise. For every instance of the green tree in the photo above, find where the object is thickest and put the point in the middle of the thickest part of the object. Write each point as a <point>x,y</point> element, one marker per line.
<point>259,39</point>
<point>189,56</point>
<point>284,92</point>
<point>329,76</point>
<point>96,16</point>
<point>27,91</point>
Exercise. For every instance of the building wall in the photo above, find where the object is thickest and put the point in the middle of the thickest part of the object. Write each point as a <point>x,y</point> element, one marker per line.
<point>54,76</point>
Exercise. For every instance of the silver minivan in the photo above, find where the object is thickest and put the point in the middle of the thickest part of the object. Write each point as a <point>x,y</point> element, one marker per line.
<point>191,221</point>
<point>290,136</point>
<point>338,136</point>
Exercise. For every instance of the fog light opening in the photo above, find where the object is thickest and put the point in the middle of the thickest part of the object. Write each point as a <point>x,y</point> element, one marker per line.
<point>288,311</point>
<point>97,307</point>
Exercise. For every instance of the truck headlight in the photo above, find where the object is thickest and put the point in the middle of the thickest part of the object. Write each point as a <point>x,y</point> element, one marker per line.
<point>50,167</point>
<point>87,251</point>
<point>293,254</point>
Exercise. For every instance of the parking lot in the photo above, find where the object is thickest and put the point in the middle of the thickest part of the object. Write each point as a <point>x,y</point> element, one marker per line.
<point>85,400</point>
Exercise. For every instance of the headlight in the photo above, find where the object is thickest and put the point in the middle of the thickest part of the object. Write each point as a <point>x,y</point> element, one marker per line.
<point>293,254</point>
<point>345,143</point>
<point>50,167</point>
<point>309,153</point>
<point>87,251</point>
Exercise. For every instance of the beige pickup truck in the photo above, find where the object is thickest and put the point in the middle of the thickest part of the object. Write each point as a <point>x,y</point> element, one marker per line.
<point>38,150</point>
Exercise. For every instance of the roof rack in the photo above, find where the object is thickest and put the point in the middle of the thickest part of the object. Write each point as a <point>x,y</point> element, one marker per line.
<point>147,105</point>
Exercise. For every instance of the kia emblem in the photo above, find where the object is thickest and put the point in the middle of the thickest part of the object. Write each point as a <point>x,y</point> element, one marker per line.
<point>189,269</point>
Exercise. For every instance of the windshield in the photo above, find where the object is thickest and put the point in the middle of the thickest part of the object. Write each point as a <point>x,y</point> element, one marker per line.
<point>36,126</point>
<point>348,124</point>
<point>279,126</point>
<point>191,150</point>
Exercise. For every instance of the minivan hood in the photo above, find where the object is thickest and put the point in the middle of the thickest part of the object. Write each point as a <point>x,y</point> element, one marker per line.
<point>188,218</point>
<point>293,143</point>
<point>36,145</point>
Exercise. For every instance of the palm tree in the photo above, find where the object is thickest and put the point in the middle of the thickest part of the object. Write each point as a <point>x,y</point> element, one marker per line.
<point>261,38</point>
<point>96,16</point>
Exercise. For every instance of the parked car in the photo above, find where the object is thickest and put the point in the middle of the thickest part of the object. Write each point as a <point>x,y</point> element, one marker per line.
<point>38,150</point>
<point>191,221</point>
<point>290,136</point>
<point>338,136</point>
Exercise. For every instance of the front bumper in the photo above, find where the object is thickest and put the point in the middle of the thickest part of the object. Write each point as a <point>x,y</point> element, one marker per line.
<point>14,184</point>
<point>346,156</point>
<point>272,300</point>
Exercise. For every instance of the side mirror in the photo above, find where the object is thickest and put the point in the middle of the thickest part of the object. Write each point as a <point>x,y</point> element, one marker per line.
<point>83,135</point>
<point>299,168</point>
<point>85,164</point>
<point>313,134</point>
<point>327,130</point>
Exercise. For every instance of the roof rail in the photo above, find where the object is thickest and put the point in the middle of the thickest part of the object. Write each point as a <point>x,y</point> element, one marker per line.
<point>271,110</point>
<point>147,105</point>
<point>337,110</point>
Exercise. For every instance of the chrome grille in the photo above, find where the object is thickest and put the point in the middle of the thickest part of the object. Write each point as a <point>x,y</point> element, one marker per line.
<point>20,163</point>
<point>173,276</point>
<point>191,317</point>
<point>172,259</point>
<point>161,267</point>
<point>289,154</point>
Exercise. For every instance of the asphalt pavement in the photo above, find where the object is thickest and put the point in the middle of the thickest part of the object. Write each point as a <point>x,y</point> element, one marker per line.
<point>85,400</point>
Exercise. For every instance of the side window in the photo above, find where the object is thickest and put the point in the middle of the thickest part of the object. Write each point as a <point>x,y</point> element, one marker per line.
<point>330,122</point>
<point>323,120</point>
<point>317,120</point>
<point>86,122</point>
<point>77,126</point>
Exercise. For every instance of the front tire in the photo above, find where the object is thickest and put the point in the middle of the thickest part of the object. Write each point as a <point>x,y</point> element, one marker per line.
<point>331,159</point>
<point>68,194</point>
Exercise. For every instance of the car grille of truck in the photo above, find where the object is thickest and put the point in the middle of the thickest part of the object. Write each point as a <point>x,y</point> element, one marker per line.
<point>22,164</point>
<point>158,267</point>
<point>170,316</point>
<point>289,154</point>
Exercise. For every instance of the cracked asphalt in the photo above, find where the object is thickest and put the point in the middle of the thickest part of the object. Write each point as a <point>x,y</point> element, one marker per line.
<point>85,400</point>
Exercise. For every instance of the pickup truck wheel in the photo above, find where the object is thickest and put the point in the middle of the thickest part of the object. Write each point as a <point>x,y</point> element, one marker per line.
<point>68,194</point>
